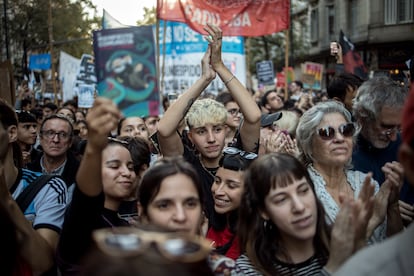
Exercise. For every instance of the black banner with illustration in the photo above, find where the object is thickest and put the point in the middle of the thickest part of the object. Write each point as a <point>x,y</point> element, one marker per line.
<point>126,69</point>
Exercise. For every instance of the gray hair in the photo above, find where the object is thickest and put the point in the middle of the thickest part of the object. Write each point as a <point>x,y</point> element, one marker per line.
<point>374,94</point>
<point>309,122</point>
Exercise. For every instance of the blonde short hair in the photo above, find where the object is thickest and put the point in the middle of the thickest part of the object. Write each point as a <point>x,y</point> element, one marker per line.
<point>289,121</point>
<point>206,111</point>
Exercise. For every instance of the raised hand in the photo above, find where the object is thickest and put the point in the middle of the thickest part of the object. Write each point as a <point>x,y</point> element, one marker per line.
<point>349,231</point>
<point>102,118</point>
<point>207,71</point>
<point>394,172</point>
<point>215,39</point>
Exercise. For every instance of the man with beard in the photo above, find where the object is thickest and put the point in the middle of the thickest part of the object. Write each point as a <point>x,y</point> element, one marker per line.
<point>378,109</point>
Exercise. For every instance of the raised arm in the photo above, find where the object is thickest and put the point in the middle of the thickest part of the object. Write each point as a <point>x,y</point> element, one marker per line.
<point>250,129</point>
<point>102,118</point>
<point>169,140</point>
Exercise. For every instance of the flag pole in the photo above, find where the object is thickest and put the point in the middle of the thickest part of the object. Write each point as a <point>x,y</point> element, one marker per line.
<point>286,62</point>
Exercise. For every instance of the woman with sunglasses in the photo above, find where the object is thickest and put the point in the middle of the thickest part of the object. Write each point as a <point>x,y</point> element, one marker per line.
<point>105,178</point>
<point>326,135</point>
<point>227,190</point>
<point>281,221</point>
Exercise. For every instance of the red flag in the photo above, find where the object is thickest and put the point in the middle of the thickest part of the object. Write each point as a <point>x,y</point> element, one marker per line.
<point>352,60</point>
<point>244,18</point>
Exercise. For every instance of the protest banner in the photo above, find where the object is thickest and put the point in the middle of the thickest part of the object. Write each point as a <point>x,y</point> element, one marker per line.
<point>312,75</point>
<point>68,69</point>
<point>126,69</point>
<point>265,73</point>
<point>183,50</point>
<point>234,17</point>
<point>40,62</point>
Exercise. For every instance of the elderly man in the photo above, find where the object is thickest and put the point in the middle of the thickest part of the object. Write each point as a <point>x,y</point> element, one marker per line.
<point>377,109</point>
<point>56,134</point>
<point>395,255</point>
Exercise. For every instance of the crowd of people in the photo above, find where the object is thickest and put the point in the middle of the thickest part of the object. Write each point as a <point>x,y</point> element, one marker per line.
<point>276,184</point>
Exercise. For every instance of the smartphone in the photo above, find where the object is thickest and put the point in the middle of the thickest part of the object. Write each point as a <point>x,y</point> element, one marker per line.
<point>334,48</point>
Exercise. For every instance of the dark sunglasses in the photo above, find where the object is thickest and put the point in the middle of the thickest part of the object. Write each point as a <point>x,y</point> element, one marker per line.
<point>242,153</point>
<point>129,242</point>
<point>328,132</point>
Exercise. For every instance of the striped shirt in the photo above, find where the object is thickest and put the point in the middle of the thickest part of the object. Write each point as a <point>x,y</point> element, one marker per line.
<point>312,266</point>
<point>48,207</point>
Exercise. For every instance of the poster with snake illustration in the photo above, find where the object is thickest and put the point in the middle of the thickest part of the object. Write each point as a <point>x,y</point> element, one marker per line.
<point>126,69</point>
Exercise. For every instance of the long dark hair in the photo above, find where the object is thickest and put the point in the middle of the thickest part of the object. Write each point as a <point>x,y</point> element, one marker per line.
<point>234,162</point>
<point>261,240</point>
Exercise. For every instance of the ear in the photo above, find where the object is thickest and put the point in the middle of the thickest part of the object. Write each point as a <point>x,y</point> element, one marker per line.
<point>264,215</point>
<point>406,158</point>
<point>337,99</point>
<point>190,136</point>
<point>12,132</point>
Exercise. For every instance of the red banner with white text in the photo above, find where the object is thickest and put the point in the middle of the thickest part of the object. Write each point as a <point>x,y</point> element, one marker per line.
<point>235,17</point>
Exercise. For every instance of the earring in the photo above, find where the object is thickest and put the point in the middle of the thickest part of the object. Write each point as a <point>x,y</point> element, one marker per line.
<point>267,225</point>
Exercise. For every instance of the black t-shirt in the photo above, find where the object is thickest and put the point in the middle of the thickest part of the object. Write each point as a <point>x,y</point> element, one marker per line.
<point>206,178</point>
<point>83,216</point>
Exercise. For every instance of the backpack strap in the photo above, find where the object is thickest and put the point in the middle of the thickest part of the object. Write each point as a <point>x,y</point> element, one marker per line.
<point>28,194</point>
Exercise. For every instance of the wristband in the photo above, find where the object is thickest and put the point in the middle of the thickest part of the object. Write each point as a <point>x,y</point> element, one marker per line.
<point>229,80</point>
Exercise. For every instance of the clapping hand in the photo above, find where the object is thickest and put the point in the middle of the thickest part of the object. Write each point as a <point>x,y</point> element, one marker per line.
<point>349,231</point>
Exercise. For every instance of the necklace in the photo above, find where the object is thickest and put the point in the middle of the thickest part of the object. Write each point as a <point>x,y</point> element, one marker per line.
<point>211,171</point>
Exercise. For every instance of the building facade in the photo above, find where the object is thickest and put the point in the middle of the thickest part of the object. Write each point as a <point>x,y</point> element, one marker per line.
<point>382,31</point>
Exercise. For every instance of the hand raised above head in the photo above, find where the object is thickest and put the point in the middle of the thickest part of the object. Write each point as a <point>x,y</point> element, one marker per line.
<point>206,71</point>
<point>102,118</point>
<point>215,39</point>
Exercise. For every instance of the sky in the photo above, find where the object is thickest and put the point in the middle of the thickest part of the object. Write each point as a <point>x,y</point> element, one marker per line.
<point>125,11</point>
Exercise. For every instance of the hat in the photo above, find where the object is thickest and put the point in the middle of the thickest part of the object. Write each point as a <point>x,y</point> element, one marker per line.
<point>408,118</point>
<point>268,119</point>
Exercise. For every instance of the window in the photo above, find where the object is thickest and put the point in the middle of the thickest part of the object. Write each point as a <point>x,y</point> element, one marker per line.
<point>331,21</point>
<point>398,11</point>
<point>314,25</point>
<point>353,16</point>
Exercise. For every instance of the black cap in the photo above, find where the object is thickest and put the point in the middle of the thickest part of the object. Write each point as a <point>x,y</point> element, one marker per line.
<point>268,119</point>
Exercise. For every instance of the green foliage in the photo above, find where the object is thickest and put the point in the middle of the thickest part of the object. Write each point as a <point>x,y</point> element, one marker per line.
<point>150,17</point>
<point>71,25</point>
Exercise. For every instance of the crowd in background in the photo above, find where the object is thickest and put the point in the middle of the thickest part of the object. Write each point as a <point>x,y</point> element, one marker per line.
<point>242,183</point>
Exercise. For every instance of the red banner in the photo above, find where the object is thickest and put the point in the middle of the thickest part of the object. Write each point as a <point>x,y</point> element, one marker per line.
<point>235,17</point>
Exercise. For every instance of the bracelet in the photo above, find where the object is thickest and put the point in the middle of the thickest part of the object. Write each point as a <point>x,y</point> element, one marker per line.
<point>229,80</point>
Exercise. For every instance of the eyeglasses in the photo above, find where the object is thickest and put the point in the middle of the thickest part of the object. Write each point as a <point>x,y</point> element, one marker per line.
<point>130,242</point>
<point>390,129</point>
<point>328,132</point>
<point>242,153</point>
<point>233,111</point>
<point>50,134</point>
